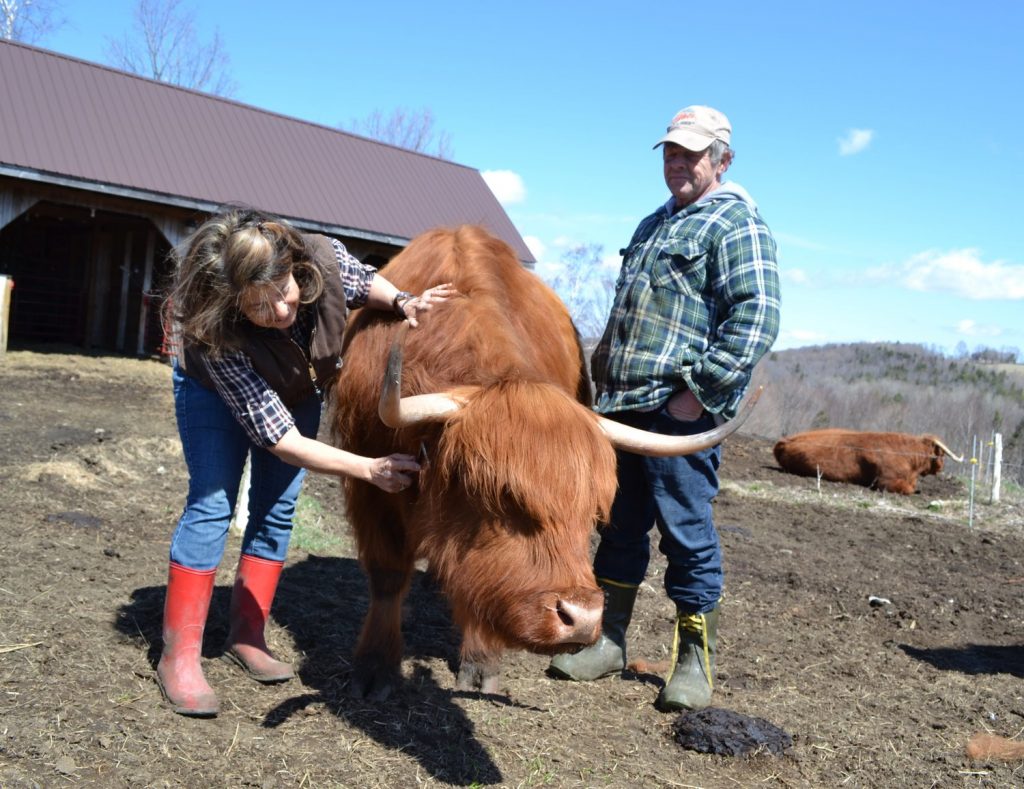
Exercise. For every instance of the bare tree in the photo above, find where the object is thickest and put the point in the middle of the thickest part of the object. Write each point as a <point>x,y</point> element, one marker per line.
<point>28,20</point>
<point>411,129</point>
<point>163,44</point>
<point>587,287</point>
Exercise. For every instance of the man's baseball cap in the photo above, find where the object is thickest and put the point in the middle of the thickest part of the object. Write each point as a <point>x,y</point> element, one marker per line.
<point>696,127</point>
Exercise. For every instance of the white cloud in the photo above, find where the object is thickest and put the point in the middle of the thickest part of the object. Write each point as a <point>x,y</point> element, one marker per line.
<point>548,270</point>
<point>796,276</point>
<point>960,271</point>
<point>507,186</point>
<point>796,338</point>
<point>612,262</point>
<point>855,141</point>
<point>536,246</point>
<point>970,328</point>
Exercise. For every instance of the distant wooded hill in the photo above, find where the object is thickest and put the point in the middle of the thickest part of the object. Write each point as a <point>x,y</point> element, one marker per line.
<point>895,387</point>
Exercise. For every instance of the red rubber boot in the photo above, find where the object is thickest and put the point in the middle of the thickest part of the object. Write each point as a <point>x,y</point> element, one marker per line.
<point>255,586</point>
<point>179,673</point>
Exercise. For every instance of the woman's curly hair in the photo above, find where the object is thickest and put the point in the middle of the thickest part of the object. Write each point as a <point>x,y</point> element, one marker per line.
<point>234,250</point>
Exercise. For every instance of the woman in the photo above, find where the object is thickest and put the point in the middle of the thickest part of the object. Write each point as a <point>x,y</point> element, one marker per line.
<point>260,309</point>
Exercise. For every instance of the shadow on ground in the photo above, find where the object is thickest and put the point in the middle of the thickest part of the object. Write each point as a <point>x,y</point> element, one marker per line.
<point>972,658</point>
<point>321,601</point>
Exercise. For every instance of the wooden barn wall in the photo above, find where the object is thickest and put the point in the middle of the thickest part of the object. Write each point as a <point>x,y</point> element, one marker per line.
<point>89,268</point>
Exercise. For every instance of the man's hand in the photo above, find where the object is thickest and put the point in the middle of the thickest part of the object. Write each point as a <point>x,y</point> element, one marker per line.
<point>684,406</point>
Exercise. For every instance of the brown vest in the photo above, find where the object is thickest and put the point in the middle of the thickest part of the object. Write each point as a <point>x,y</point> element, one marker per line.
<point>294,373</point>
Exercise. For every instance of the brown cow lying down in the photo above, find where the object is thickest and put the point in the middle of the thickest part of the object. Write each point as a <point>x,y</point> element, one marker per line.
<point>884,461</point>
<point>516,468</point>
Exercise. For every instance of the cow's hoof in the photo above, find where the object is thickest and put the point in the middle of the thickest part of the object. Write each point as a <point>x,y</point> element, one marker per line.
<point>483,677</point>
<point>372,684</point>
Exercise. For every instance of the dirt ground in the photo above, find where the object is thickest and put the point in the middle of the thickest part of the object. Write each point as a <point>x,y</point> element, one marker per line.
<point>875,693</point>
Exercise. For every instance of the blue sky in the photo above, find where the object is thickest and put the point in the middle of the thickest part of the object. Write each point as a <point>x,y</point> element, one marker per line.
<point>882,140</point>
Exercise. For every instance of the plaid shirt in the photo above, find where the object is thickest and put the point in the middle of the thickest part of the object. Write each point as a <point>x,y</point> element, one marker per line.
<point>256,406</point>
<point>696,306</point>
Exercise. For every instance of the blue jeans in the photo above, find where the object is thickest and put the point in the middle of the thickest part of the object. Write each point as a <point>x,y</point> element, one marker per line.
<point>675,494</point>
<point>215,447</point>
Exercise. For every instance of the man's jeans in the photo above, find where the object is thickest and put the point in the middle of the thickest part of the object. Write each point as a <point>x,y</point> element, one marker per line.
<point>674,493</point>
<point>215,448</point>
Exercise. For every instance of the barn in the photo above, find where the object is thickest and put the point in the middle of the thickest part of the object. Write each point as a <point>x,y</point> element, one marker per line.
<point>102,172</point>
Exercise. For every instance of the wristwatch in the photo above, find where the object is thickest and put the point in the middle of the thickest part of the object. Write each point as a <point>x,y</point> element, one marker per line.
<point>398,302</point>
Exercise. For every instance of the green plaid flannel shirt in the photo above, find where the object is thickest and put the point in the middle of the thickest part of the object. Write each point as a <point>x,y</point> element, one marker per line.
<point>696,306</point>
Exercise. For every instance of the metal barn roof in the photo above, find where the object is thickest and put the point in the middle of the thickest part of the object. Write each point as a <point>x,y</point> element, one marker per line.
<point>76,123</point>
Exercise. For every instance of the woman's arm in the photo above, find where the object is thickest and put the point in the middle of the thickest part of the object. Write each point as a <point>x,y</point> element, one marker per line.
<point>364,286</point>
<point>391,473</point>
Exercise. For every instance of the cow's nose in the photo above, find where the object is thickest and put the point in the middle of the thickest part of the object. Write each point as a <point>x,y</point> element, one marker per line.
<point>581,623</point>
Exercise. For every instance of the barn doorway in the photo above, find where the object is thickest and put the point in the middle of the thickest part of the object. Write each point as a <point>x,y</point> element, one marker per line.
<point>85,277</point>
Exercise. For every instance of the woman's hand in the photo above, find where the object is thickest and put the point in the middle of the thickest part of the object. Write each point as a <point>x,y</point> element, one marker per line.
<point>393,473</point>
<point>426,301</point>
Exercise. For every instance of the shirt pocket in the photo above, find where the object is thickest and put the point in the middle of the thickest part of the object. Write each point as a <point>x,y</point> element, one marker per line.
<point>681,267</point>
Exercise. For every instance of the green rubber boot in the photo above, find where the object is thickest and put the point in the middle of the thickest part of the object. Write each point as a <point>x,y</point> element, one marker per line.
<point>608,654</point>
<point>692,679</point>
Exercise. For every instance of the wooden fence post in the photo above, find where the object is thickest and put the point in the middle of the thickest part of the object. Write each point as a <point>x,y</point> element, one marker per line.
<point>974,476</point>
<point>6,286</point>
<point>997,462</point>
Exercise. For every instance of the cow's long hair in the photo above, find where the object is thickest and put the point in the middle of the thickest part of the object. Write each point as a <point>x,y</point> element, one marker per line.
<point>524,455</point>
<point>885,460</point>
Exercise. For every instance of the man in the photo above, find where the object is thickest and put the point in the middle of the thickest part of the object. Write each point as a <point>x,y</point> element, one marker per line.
<point>696,306</point>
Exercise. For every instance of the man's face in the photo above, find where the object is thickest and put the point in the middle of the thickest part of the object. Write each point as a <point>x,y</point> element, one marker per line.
<point>690,175</point>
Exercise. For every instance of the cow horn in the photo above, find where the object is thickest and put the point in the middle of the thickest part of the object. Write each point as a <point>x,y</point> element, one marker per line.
<point>948,451</point>
<point>397,411</point>
<point>642,442</point>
